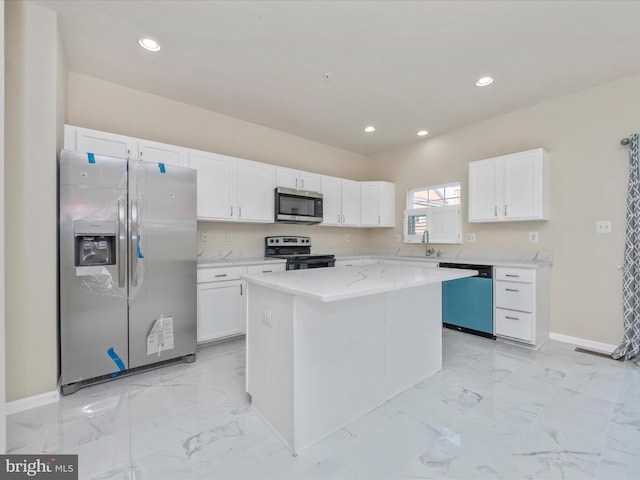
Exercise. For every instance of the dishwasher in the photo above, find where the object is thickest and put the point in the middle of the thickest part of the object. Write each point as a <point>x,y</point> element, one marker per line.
<point>467,303</point>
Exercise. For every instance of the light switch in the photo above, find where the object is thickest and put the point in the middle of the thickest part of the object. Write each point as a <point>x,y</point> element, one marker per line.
<point>471,237</point>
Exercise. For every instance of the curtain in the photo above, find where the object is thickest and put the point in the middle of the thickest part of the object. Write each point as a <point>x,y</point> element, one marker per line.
<point>630,347</point>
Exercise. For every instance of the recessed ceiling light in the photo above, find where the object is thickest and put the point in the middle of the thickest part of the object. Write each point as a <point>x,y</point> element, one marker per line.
<point>149,44</point>
<point>422,133</point>
<point>484,81</point>
<point>370,129</point>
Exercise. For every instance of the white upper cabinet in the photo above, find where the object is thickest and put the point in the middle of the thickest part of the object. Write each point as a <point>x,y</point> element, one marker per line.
<point>377,204</point>
<point>236,190</point>
<point>100,143</point>
<point>232,189</point>
<point>510,188</point>
<point>255,193</point>
<point>163,153</point>
<point>216,185</point>
<point>341,202</point>
<point>298,180</point>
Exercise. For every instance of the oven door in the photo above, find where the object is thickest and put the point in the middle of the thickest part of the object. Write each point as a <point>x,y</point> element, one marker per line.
<point>296,206</point>
<point>311,263</point>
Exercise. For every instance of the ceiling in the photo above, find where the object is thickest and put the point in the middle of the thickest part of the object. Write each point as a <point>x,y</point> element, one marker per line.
<point>324,70</point>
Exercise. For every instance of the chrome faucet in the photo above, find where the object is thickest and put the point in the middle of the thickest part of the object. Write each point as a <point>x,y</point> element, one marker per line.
<point>429,250</point>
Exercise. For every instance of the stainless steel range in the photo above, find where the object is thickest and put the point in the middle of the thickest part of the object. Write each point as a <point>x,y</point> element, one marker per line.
<point>297,252</point>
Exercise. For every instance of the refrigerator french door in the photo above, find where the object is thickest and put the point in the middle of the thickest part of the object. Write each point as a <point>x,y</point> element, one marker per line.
<point>127,241</point>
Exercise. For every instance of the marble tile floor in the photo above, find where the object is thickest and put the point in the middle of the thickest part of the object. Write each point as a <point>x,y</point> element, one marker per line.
<point>493,411</point>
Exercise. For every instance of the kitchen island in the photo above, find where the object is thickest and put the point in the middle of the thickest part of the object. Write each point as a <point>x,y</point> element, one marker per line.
<point>325,346</point>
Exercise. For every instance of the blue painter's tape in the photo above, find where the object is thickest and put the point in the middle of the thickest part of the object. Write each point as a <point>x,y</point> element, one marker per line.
<point>162,169</point>
<point>117,360</point>
<point>139,251</point>
<point>91,157</point>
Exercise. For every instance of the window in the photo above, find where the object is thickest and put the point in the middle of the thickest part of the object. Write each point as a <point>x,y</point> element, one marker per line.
<point>436,209</point>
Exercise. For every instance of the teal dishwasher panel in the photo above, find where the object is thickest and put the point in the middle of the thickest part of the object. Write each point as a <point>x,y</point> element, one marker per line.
<point>468,303</point>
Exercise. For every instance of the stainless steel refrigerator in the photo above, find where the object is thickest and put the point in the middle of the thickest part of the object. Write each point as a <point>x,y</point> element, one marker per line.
<point>127,242</point>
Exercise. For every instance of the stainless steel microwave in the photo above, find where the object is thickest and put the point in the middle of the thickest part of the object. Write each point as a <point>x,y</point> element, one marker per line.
<point>298,206</point>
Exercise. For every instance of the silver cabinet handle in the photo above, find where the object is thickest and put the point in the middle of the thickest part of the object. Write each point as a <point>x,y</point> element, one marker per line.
<point>379,221</point>
<point>338,218</point>
<point>122,243</point>
<point>239,212</point>
<point>343,219</point>
<point>505,210</point>
<point>240,289</point>
<point>511,318</point>
<point>220,275</point>
<point>267,271</point>
<point>302,182</point>
<point>296,183</point>
<point>512,275</point>
<point>495,211</point>
<point>511,290</point>
<point>231,210</point>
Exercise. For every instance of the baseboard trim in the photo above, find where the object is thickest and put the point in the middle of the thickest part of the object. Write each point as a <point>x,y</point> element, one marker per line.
<point>31,402</point>
<point>582,342</point>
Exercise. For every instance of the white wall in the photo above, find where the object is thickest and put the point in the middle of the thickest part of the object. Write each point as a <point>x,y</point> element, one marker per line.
<point>31,141</point>
<point>3,423</point>
<point>589,172</point>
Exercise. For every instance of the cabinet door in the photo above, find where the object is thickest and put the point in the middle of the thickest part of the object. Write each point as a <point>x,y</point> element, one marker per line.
<point>522,186</point>
<point>350,203</point>
<point>216,185</point>
<point>330,187</point>
<point>100,143</point>
<point>286,177</point>
<point>485,190</point>
<point>310,182</point>
<point>387,204</point>
<point>220,310</point>
<point>369,204</point>
<point>255,194</point>
<point>163,153</point>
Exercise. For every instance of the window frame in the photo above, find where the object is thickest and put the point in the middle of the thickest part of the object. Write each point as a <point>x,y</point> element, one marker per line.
<point>438,237</point>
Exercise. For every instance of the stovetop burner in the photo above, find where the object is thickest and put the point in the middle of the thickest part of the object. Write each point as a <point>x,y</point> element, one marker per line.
<point>297,252</point>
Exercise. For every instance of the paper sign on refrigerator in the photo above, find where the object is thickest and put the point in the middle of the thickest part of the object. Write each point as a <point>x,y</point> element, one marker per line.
<point>161,336</point>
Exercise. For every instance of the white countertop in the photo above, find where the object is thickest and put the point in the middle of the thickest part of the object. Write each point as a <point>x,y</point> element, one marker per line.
<point>333,284</point>
<point>239,261</point>
<point>435,260</point>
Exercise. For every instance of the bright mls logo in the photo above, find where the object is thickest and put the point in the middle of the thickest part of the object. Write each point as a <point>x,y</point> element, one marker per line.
<point>56,467</point>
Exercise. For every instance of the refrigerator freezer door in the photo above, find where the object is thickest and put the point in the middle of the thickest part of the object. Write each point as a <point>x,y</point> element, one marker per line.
<point>162,260</point>
<point>93,300</point>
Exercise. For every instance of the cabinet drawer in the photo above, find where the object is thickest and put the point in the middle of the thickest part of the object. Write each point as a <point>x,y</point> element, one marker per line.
<point>219,274</point>
<point>270,267</point>
<point>515,274</point>
<point>514,296</point>
<point>518,325</point>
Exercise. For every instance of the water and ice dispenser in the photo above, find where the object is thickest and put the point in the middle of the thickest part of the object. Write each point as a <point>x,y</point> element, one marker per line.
<point>94,243</point>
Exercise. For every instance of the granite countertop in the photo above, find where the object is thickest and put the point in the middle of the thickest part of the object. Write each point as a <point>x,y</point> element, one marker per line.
<point>333,284</point>
<point>238,261</point>
<point>496,261</point>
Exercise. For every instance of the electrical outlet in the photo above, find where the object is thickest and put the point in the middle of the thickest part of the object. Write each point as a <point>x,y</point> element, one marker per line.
<point>203,237</point>
<point>396,238</point>
<point>471,238</point>
<point>266,318</point>
<point>533,237</point>
<point>347,237</point>
<point>229,237</point>
<point>603,226</point>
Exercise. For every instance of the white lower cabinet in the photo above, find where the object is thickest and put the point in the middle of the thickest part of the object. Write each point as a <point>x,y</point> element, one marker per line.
<point>522,304</point>
<point>221,300</point>
<point>220,310</point>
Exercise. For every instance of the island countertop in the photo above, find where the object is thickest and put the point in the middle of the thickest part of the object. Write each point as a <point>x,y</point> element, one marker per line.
<point>334,284</point>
